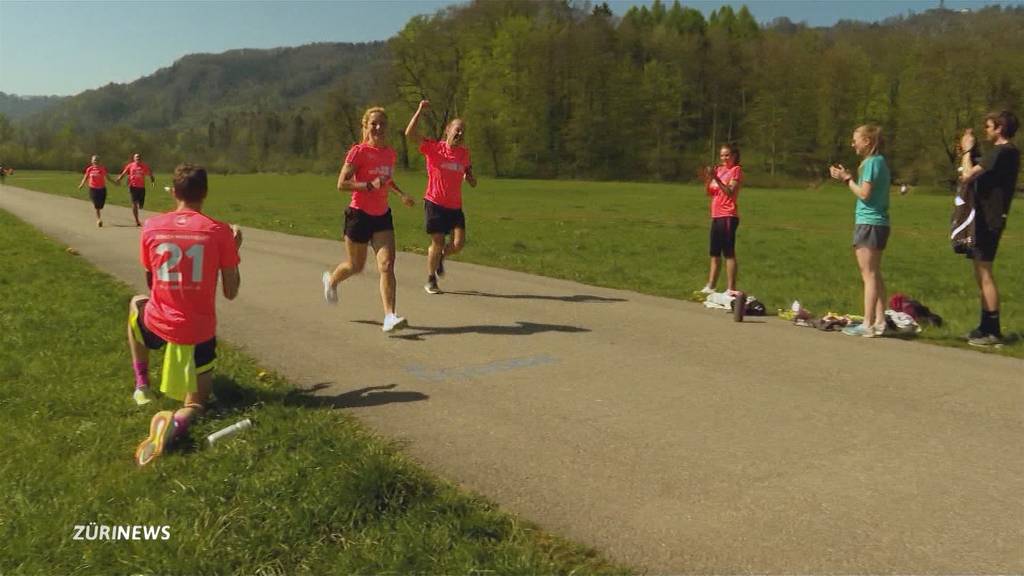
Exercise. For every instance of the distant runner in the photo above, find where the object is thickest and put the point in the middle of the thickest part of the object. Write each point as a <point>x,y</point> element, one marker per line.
<point>97,177</point>
<point>448,164</point>
<point>137,171</point>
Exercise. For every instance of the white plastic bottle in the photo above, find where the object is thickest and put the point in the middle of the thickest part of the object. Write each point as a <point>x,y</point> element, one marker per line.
<point>228,431</point>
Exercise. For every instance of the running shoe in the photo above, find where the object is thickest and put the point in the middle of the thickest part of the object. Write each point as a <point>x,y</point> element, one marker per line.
<point>858,330</point>
<point>392,323</point>
<point>707,290</point>
<point>142,396</point>
<point>985,341</point>
<point>161,431</point>
<point>330,292</point>
<point>431,287</point>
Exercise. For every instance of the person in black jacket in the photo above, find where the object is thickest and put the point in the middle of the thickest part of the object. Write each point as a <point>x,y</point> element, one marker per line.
<point>996,179</point>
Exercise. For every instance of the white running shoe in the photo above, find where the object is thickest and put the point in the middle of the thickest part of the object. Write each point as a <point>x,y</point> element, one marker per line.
<point>142,396</point>
<point>393,322</point>
<point>707,290</point>
<point>330,292</point>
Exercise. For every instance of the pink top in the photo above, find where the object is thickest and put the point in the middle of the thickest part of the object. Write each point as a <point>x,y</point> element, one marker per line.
<point>137,172</point>
<point>97,175</point>
<point>370,162</point>
<point>446,167</point>
<point>723,205</point>
<point>185,250</point>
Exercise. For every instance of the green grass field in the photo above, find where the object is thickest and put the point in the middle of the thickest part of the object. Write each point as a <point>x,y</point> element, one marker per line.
<point>651,238</point>
<point>306,491</point>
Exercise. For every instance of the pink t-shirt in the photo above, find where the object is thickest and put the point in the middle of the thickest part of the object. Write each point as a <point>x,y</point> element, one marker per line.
<point>97,176</point>
<point>446,167</point>
<point>722,204</point>
<point>369,163</point>
<point>137,172</point>
<point>185,250</point>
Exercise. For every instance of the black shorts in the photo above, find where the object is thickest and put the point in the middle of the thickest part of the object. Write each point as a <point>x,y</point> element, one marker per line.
<point>723,236</point>
<point>360,226</point>
<point>441,220</point>
<point>138,195</point>
<point>204,354</point>
<point>986,240</point>
<point>98,197</point>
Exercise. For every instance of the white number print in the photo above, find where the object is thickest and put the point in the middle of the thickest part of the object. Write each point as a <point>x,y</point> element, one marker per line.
<point>164,272</point>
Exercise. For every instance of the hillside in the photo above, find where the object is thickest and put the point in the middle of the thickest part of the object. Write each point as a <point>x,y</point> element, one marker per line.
<point>16,107</point>
<point>201,87</point>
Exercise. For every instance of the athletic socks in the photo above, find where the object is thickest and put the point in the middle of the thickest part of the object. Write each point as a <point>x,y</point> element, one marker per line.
<point>141,374</point>
<point>990,323</point>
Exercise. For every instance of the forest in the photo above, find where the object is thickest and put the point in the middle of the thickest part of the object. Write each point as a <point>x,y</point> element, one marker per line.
<point>556,89</point>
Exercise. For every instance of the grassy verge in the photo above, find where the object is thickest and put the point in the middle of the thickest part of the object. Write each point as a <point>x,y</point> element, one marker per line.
<point>306,491</point>
<point>652,238</point>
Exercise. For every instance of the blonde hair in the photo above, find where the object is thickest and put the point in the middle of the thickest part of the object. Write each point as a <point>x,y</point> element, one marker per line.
<point>366,120</point>
<point>873,133</point>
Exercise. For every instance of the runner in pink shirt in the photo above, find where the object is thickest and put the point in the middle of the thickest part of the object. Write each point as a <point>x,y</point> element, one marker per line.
<point>97,177</point>
<point>722,184</point>
<point>137,171</point>
<point>448,164</point>
<point>368,172</point>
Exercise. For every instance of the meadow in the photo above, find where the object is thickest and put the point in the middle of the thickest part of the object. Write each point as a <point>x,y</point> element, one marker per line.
<point>793,244</point>
<point>308,490</point>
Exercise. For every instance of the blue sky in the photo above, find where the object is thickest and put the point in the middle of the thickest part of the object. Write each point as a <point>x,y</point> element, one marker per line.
<point>59,47</point>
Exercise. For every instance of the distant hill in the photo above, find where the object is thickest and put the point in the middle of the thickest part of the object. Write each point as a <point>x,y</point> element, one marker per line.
<point>201,87</point>
<point>17,107</point>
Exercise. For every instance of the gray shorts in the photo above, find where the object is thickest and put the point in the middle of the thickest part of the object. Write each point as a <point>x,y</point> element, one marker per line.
<point>870,236</point>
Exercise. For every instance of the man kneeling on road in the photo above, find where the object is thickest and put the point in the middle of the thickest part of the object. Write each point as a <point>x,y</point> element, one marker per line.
<point>182,252</point>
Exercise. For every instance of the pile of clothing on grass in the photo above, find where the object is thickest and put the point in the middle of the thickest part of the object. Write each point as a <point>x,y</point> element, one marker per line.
<point>905,316</point>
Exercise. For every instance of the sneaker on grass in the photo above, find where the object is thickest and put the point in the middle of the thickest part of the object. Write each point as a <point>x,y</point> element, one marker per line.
<point>330,292</point>
<point>143,396</point>
<point>858,330</point>
<point>161,431</point>
<point>985,341</point>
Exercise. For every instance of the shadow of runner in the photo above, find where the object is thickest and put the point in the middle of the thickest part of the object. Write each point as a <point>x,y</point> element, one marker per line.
<point>580,298</point>
<point>522,329</point>
<point>231,396</point>
<point>361,398</point>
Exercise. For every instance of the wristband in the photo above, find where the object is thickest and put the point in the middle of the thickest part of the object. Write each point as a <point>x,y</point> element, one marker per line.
<point>369,185</point>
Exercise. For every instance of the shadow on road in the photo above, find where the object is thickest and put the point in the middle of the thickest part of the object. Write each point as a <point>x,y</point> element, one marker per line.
<point>361,398</point>
<point>521,329</point>
<point>233,397</point>
<point>582,298</point>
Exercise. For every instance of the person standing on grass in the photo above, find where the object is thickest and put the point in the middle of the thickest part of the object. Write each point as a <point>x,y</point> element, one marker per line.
<point>97,177</point>
<point>368,172</point>
<point>448,164</point>
<point>996,179</point>
<point>871,224</point>
<point>183,253</point>
<point>137,171</point>
<point>722,184</point>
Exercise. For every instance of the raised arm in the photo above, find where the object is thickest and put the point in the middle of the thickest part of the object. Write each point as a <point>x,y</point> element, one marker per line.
<point>411,131</point>
<point>969,172</point>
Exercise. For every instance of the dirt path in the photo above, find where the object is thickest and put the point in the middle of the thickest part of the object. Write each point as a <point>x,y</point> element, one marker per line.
<point>659,432</point>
